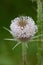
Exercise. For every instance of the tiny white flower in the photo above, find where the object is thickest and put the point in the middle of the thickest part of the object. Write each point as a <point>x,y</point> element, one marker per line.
<point>23,27</point>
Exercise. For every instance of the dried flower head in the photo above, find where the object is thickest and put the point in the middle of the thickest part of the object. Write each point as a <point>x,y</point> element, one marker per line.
<point>23,27</point>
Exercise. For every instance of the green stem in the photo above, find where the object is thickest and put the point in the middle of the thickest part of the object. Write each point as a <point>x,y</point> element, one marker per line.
<point>24,53</point>
<point>39,11</point>
<point>39,21</point>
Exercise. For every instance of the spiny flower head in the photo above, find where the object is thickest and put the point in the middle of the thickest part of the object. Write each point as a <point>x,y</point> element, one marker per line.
<point>23,27</point>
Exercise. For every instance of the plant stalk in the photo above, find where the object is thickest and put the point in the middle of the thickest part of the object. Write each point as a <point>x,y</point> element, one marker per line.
<point>24,54</point>
<point>39,11</point>
<point>39,21</point>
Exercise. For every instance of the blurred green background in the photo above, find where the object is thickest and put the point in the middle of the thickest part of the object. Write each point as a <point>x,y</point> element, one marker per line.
<point>9,9</point>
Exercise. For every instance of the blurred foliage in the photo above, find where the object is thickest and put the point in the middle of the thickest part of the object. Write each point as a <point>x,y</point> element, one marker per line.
<point>9,9</point>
